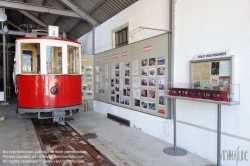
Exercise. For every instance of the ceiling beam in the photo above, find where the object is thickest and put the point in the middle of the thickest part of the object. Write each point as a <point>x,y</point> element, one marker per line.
<point>32,18</point>
<point>18,33</point>
<point>36,8</point>
<point>80,13</point>
<point>44,1</point>
<point>96,6</point>
<point>15,26</point>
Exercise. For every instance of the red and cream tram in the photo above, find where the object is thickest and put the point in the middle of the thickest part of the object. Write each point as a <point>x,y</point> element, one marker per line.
<point>48,78</point>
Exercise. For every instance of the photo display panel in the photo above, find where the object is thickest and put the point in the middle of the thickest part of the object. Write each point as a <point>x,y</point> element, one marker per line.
<point>87,77</point>
<point>212,74</point>
<point>149,75</point>
<point>102,71</point>
<point>137,76</point>
<point>120,80</point>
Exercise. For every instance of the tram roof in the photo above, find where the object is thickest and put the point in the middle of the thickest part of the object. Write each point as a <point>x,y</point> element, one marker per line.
<point>46,38</point>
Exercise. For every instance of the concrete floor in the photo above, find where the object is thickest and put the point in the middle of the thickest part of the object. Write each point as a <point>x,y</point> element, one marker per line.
<point>124,146</point>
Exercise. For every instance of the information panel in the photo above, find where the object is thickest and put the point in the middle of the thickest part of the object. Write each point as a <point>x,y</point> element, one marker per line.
<point>212,74</point>
<point>120,76</point>
<point>87,77</point>
<point>134,76</point>
<point>149,75</point>
<point>102,74</point>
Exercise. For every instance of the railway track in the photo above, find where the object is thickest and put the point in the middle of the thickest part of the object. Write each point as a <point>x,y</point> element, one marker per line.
<point>62,146</point>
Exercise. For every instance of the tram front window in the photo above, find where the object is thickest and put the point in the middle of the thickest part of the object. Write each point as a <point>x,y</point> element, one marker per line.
<point>54,60</point>
<point>73,60</point>
<point>30,58</point>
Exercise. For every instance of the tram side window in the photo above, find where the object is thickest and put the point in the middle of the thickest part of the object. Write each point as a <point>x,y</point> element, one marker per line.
<point>54,60</point>
<point>73,60</point>
<point>30,58</point>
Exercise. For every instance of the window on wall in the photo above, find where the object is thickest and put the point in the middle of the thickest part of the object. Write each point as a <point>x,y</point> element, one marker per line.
<point>121,37</point>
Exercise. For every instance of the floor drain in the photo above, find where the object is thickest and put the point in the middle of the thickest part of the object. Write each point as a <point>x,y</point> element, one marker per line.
<point>90,136</point>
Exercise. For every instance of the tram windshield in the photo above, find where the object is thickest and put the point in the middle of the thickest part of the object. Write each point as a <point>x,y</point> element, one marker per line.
<point>54,60</point>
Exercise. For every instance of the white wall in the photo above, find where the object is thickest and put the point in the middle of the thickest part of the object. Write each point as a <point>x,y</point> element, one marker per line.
<point>142,13</point>
<point>87,42</point>
<point>209,26</point>
<point>201,26</point>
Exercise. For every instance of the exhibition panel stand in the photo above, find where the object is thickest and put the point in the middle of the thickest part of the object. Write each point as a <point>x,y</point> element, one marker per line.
<point>175,151</point>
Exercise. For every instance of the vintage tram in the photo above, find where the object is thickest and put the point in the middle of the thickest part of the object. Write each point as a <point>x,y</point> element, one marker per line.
<point>48,77</point>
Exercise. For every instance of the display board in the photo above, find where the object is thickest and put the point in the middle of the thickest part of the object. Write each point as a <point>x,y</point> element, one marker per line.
<point>212,74</point>
<point>149,75</point>
<point>87,77</point>
<point>120,76</point>
<point>102,74</point>
<point>137,74</point>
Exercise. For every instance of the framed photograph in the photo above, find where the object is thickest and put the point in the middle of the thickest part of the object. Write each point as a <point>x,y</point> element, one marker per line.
<point>160,71</point>
<point>215,68</point>
<point>88,74</point>
<point>127,73</point>
<point>161,99</point>
<point>113,98</point>
<point>117,73</point>
<point>152,71</point>
<point>126,101</point>
<point>144,104</point>
<point>88,79</point>
<point>144,71</point>
<point>117,80</point>
<point>224,81</point>
<point>88,93</point>
<point>117,89</point>
<point>151,106</point>
<point>112,82</point>
<point>88,68</point>
<point>84,86</point>
<point>112,91</point>
<point>127,65</point>
<point>117,66</point>
<point>121,100</point>
<point>161,60</point>
<point>144,62</point>
<point>137,103</point>
<point>126,81</point>
<point>144,82</point>
<point>128,91</point>
<point>89,86</point>
<point>151,94</point>
<point>124,92</point>
<point>144,93</point>
<point>117,98</point>
<point>151,82</point>
<point>151,61</point>
<point>161,83</point>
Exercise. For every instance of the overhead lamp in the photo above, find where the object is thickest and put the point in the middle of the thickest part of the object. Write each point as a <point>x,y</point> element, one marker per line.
<point>3,16</point>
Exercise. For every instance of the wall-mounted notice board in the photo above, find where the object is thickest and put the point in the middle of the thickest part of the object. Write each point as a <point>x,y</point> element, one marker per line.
<point>212,74</point>
<point>136,76</point>
<point>102,74</point>
<point>87,77</point>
